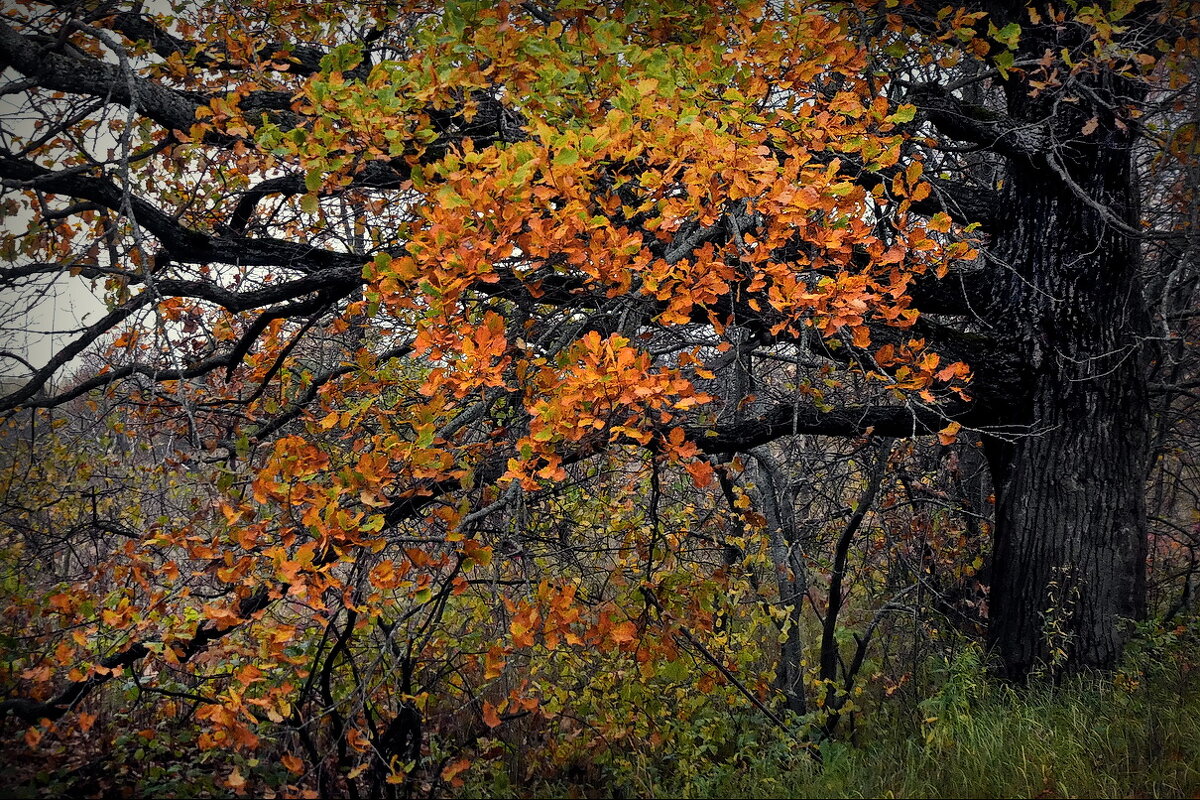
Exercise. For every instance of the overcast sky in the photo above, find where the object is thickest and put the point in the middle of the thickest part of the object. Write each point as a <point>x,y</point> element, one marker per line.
<point>39,317</point>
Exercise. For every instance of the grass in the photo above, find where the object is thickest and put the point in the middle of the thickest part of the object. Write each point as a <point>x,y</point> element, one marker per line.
<point>1073,742</point>
<point>1138,736</point>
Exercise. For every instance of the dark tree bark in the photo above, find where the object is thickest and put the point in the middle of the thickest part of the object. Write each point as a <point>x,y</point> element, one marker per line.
<point>1068,569</point>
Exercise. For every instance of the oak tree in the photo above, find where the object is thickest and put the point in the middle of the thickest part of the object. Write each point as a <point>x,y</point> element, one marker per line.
<point>376,277</point>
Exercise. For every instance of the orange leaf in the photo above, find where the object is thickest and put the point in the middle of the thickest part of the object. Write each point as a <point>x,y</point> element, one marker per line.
<point>454,768</point>
<point>952,371</point>
<point>493,663</point>
<point>624,632</point>
<point>701,472</point>
<point>33,736</point>
<point>490,717</point>
<point>355,739</point>
<point>949,434</point>
<point>235,780</point>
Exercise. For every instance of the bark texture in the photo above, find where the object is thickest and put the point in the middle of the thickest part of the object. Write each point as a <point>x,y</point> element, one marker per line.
<point>1070,538</point>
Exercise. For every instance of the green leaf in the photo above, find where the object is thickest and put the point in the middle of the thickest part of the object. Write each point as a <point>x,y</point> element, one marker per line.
<point>904,113</point>
<point>425,437</point>
<point>1009,35</point>
<point>1004,62</point>
<point>341,58</point>
<point>313,180</point>
<point>451,199</point>
<point>565,158</point>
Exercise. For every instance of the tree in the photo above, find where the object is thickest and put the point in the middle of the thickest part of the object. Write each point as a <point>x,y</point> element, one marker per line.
<point>388,273</point>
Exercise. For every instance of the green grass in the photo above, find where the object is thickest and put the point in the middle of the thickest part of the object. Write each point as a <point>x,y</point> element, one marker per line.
<point>1136,737</point>
<point>1075,743</point>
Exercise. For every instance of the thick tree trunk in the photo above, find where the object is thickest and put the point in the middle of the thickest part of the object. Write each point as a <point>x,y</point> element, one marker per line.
<point>1070,537</point>
<point>1069,557</point>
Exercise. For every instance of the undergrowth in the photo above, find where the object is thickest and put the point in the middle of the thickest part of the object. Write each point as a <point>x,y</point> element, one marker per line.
<point>1135,734</point>
<point>1132,734</point>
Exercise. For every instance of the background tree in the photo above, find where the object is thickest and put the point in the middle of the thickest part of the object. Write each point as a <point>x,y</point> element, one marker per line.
<point>466,338</point>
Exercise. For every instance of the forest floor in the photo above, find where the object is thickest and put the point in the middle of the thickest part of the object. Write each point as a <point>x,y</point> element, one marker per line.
<point>1133,735</point>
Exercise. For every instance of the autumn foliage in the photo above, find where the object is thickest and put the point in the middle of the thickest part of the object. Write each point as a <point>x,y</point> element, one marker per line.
<point>426,433</point>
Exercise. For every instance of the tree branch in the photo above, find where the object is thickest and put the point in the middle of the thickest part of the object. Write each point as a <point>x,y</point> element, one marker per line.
<point>181,243</point>
<point>970,123</point>
<point>206,633</point>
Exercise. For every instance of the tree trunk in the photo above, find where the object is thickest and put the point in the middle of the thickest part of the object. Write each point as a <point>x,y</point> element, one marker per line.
<point>788,551</point>
<point>1068,568</point>
<point>1069,556</point>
